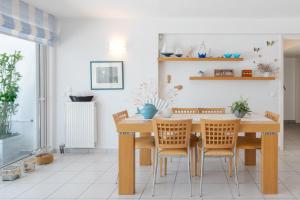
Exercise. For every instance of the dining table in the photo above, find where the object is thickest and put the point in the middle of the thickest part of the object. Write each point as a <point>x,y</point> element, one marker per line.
<point>249,125</point>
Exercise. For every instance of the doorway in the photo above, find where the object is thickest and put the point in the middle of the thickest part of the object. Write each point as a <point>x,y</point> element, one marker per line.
<point>291,47</point>
<point>26,125</point>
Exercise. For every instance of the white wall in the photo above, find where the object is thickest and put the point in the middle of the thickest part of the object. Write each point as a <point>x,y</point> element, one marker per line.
<point>84,40</point>
<point>289,83</point>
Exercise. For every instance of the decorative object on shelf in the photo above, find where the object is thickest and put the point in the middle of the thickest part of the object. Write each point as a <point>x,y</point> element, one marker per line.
<point>178,52</point>
<point>240,108</point>
<point>201,73</point>
<point>247,73</point>
<point>189,52</point>
<point>107,75</point>
<point>227,55</point>
<point>224,72</point>
<point>169,78</point>
<point>270,43</point>
<point>202,50</point>
<point>265,69</point>
<point>81,98</point>
<point>236,55</point>
<point>256,49</point>
<point>167,54</point>
<point>11,173</point>
<point>29,165</point>
<point>148,111</point>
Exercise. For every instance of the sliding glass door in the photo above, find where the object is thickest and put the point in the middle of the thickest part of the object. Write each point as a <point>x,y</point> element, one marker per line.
<point>25,124</point>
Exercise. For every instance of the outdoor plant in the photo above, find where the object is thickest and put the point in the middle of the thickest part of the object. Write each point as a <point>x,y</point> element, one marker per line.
<point>9,89</point>
<point>240,108</point>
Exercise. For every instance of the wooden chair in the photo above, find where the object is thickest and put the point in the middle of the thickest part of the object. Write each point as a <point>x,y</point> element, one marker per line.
<point>211,110</point>
<point>145,142</point>
<point>253,143</point>
<point>185,110</point>
<point>218,139</point>
<point>193,141</point>
<point>172,138</point>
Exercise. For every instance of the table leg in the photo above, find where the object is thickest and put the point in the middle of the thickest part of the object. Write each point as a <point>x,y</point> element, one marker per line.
<point>126,163</point>
<point>145,154</point>
<point>250,154</point>
<point>269,163</point>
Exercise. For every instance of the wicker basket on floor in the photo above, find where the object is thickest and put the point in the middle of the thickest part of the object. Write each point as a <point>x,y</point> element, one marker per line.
<point>44,158</point>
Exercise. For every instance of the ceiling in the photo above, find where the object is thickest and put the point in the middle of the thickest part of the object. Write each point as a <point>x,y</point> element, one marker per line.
<point>170,8</point>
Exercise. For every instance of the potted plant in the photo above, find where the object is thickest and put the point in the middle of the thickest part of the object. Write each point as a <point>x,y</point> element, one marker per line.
<point>9,89</point>
<point>240,108</point>
<point>265,69</point>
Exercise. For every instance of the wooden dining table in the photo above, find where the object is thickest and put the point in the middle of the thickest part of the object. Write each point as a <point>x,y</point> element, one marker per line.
<point>250,125</point>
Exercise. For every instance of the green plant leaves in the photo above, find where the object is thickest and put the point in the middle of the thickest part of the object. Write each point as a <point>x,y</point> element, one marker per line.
<point>9,89</point>
<point>240,106</point>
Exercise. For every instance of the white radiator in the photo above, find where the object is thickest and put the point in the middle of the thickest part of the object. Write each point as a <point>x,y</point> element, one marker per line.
<point>80,125</point>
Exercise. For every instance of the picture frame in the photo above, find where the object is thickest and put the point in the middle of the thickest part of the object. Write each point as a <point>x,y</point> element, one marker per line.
<point>107,75</point>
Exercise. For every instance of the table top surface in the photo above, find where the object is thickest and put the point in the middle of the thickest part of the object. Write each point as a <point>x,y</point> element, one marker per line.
<point>253,117</point>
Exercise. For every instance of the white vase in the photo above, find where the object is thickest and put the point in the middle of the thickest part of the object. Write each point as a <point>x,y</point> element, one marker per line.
<point>267,74</point>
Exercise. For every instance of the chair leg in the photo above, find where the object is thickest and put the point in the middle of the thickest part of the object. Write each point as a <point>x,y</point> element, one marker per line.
<point>153,159</point>
<point>189,169</point>
<point>195,159</point>
<point>161,166</point>
<point>236,175</point>
<point>166,164</point>
<point>230,167</point>
<point>201,171</point>
<point>237,159</point>
<point>198,160</point>
<point>192,154</point>
<point>154,176</point>
<point>117,179</point>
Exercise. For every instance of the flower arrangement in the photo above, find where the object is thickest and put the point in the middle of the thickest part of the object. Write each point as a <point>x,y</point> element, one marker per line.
<point>147,92</point>
<point>264,68</point>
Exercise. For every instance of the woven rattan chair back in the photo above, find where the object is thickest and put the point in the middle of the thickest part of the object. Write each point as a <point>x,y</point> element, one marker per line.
<point>219,134</point>
<point>120,116</point>
<point>172,133</point>
<point>212,110</point>
<point>185,110</point>
<point>272,116</point>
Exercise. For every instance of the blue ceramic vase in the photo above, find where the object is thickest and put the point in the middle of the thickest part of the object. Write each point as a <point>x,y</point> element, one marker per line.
<point>148,111</point>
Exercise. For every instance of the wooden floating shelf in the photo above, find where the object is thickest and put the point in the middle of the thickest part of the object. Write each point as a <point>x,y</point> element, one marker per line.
<point>164,59</point>
<point>232,78</point>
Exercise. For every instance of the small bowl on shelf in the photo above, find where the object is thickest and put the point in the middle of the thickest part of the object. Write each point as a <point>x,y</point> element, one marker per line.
<point>236,55</point>
<point>227,55</point>
<point>178,55</point>
<point>167,54</point>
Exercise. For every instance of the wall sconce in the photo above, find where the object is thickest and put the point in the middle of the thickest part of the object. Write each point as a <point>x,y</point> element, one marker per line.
<point>117,47</point>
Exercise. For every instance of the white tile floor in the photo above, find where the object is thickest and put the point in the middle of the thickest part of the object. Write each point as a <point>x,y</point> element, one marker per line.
<point>92,176</point>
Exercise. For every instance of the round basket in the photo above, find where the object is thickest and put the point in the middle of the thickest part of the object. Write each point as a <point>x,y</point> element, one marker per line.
<point>44,158</point>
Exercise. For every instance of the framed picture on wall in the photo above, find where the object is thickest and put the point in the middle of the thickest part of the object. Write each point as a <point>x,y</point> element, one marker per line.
<point>107,75</point>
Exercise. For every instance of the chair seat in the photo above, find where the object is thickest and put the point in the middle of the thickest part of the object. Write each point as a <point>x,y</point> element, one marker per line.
<point>248,143</point>
<point>173,152</point>
<point>146,142</point>
<point>218,152</point>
